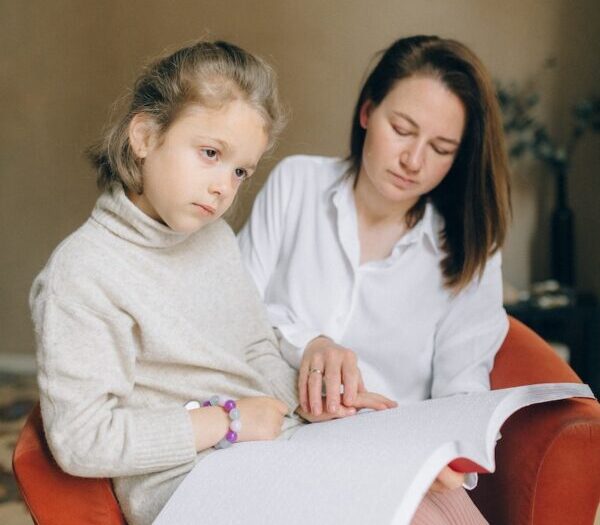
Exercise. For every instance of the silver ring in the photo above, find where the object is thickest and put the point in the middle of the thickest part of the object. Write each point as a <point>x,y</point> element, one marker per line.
<point>311,370</point>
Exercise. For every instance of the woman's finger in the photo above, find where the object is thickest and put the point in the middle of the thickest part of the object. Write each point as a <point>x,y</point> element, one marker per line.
<point>315,385</point>
<point>303,385</point>
<point>333,380</point>
<point>450,479</point>
<point>361,384</point>
<point>351,378</point>
<point>389,403</point>
<point>373,401</point>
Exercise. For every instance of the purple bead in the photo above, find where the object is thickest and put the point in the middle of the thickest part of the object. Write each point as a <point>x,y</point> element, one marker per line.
<point>206,404</point>
<point>231,436</point>
<point>229,405</point>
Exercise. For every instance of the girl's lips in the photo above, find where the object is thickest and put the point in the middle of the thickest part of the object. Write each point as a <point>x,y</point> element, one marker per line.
<point>205,208</point>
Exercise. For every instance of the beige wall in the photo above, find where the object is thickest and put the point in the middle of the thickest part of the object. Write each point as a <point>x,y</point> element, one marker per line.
<point>63,63</point>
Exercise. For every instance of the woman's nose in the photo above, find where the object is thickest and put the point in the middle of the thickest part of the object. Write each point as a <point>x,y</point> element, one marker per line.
<point>411,158</point>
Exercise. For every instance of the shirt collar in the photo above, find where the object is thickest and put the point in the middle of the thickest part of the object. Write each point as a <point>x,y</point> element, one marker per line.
<point>429,227</point>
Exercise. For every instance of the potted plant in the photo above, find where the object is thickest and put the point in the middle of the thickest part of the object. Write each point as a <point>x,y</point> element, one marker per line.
<point>527,135</point>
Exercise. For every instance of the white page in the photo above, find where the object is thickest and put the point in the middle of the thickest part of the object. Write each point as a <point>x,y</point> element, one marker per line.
<point>349,471</point>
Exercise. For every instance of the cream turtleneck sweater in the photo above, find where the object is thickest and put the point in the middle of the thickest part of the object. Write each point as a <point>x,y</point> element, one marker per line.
<point>132,320</point>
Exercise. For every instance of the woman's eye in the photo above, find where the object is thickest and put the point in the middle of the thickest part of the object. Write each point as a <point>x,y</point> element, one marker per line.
<point>241,173</point>
<point>441,151</point>
<point>402,132</point>
<point>210,153</point>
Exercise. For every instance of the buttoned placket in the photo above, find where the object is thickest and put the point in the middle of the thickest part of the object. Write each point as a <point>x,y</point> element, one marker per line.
<point>347,230</point>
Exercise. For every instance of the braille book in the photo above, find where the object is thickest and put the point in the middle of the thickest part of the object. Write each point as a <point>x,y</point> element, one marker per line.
<point>374,467</point>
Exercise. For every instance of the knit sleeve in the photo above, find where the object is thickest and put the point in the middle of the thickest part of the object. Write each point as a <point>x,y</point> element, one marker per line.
<point>265,357</point>
<point>86,364</point>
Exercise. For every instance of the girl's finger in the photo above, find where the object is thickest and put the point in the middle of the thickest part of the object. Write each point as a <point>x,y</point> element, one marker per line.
<point>345,411</point>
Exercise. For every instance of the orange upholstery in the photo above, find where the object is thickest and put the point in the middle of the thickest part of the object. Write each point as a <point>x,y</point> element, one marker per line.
<point>53,497</point>
<point>548,460</point>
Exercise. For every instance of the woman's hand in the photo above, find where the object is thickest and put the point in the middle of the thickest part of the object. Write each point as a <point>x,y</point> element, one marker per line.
<point>447,479</point>
<point>327,362</point>
<point>363,400</point>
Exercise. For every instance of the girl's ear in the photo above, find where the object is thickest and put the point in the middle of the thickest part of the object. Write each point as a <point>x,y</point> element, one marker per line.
<point>140,135</point>
<point>365,112</point>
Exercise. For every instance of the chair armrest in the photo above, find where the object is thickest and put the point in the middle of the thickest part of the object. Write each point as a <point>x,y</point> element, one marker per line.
<point>52,496</point>
<point>548,460</point>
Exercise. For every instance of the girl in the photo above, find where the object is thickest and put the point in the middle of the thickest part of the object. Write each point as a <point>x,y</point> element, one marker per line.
<point>384,269</point>
<point>147,306</point>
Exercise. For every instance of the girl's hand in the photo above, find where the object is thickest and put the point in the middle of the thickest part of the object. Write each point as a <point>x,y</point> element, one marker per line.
<point>373,401</point>
<point>262,418</point>
<point>342,411</point>
<point>328,362</point>
<point>447,479</point>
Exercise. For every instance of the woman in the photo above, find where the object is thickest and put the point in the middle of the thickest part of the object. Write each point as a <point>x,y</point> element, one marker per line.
<point>383,271</point>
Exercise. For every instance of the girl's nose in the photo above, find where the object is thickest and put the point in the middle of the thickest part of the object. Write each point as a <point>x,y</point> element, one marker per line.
<point>220,184</point>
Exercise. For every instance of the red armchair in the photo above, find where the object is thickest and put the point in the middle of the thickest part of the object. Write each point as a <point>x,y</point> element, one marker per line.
<point>548,460</point>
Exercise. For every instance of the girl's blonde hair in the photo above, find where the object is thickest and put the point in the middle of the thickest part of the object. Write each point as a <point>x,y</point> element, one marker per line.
<point>210,74</point>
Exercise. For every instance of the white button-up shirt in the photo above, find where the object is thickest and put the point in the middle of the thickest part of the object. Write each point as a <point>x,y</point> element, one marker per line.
<point>413,337</point>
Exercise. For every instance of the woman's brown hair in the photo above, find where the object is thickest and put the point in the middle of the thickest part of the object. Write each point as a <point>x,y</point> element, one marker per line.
<point>206,73</point>
<point>474,197</point>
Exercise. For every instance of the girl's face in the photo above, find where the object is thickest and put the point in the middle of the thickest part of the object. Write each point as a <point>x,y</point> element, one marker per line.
<point>411,140</point>
<point>192,173</point>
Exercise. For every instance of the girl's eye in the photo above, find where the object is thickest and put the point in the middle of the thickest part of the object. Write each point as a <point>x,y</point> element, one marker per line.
<point>241,173</point>
<point>210,153</point>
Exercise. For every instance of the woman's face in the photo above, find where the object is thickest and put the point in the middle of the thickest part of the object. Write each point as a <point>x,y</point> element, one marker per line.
<point>412,138</point>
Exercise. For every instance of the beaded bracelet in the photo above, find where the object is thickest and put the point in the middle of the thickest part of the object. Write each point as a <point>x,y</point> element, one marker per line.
<point>233,412</point>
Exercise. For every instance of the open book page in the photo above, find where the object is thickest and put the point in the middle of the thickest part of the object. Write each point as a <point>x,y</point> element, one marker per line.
<point>371,468</point>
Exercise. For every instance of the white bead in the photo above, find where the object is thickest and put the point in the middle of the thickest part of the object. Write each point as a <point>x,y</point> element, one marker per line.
<point>223,400</point>
<point>191,405</point>
<point>223,444</point>
<point>236,425</point>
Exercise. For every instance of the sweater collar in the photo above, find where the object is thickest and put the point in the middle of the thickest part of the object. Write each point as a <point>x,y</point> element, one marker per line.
<point>115,212</point>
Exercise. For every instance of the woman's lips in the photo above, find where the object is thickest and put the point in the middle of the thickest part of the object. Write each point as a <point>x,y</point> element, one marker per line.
<point>402,181</point>
<point>205,209</point>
